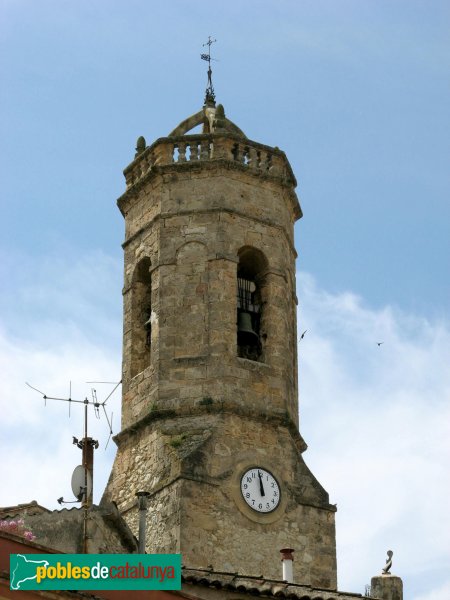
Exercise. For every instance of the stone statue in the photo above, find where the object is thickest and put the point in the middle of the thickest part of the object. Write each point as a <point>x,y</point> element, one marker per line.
<point>388,565</point>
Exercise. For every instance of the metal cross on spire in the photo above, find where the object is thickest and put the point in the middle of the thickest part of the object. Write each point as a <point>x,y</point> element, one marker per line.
<point>210,98</point>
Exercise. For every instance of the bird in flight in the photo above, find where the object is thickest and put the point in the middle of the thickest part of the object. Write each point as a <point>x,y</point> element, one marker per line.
<point>303,334</point>
<point>379,343</point>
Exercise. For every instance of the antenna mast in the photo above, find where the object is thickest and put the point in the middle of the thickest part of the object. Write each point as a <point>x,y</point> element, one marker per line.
<point>84,488</point>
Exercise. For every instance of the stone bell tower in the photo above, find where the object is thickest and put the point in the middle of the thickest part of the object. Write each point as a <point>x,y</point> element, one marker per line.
<point>210,409</point>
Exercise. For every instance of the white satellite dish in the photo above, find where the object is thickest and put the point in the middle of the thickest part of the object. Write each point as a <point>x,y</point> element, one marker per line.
<point>81,478</point>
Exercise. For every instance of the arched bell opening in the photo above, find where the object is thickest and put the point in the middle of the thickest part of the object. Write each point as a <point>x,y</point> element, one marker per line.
<point>141,317</point>
<point>250,303</point>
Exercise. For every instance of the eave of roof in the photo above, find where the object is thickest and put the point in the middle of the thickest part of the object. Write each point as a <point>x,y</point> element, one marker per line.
<point>259,586</point>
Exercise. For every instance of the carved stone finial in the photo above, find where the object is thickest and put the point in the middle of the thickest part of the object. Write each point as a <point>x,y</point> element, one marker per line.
<point>219,121</point>
<point>140,145</point>
<point>388,565</point>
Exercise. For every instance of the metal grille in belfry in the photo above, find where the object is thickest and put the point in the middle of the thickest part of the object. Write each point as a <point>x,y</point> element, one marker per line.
<point>245,294</point>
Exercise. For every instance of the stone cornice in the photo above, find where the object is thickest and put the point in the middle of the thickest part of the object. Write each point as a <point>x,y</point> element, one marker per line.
<point>278,418</point>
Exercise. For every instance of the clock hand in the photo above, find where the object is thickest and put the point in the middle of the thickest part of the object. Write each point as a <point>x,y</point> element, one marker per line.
<point>261,487</point>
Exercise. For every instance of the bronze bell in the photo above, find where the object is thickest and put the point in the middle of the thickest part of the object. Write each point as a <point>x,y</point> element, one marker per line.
<point>246,335</point>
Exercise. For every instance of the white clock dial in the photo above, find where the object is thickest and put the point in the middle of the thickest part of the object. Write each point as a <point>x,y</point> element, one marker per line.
<point>260,490</point>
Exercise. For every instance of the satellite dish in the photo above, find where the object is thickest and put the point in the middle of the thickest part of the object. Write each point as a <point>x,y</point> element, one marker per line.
<point>81,478</point>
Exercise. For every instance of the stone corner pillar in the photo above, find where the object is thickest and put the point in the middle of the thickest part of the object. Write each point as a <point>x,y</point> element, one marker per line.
<point>387,587</point>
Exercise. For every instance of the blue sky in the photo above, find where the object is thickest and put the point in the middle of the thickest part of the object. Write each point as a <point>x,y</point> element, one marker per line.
<point>356,93</point>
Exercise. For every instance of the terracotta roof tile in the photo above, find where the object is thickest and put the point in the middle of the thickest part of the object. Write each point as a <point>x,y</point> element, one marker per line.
<point>259,586</point>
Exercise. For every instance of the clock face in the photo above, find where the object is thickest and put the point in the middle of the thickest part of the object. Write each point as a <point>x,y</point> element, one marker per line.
<point>260,490</point>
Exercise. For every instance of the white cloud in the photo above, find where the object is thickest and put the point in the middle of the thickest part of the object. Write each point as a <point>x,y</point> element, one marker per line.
<point>59,327</point>
<point>436,593</point>
<point>53,299</point>
<point>377,421</point>
<point>38,456</point>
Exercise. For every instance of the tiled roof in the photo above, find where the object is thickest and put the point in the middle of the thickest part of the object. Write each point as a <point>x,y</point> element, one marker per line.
<point>259,586</point>
<point>28,507</point>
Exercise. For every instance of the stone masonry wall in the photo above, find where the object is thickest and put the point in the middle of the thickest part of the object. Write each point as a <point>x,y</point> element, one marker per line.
<point>192,467</point>
<point>194,255</point>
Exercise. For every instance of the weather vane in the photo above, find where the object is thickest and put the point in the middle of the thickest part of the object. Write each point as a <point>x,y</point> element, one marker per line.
<point>210,97</point>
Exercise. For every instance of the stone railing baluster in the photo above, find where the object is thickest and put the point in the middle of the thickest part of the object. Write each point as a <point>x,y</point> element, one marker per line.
<point>145,165</point>
<point>252,158</point>
<point>194,150</point>
<point>204,149</point>
<point>240,154</point>
<point>129,178</point>
<point>142,167</point>
<point>235,152</point>
<point>181,152</point>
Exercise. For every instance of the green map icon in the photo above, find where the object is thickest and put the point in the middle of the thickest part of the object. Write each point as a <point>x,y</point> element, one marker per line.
<point>24,570</point>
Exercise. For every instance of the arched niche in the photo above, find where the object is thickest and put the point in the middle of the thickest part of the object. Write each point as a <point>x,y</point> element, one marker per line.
<point>141,316</point>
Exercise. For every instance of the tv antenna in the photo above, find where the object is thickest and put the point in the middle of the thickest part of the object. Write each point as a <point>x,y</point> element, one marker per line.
<point>86,444</point>
<point>94,402</point>
<point>82,477</point>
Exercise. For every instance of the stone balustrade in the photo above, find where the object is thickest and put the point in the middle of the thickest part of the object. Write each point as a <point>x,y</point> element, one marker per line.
<point>190,149</point>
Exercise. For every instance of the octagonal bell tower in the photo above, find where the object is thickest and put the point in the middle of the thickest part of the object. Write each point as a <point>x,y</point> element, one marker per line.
<point>209,408</point>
